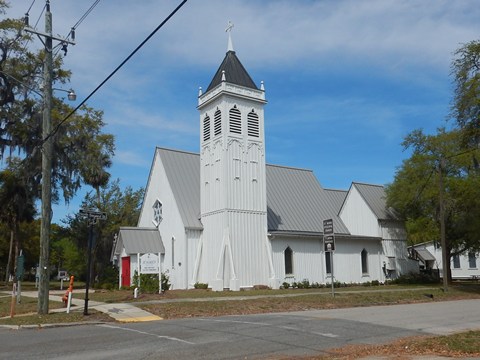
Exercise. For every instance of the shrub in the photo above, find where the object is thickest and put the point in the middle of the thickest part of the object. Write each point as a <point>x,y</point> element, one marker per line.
<point>148,283</point>
<point>415,278</point>
<point>306,284</point>
<point>285,285</point>
<point>199,285</point>
<point>165,282</point>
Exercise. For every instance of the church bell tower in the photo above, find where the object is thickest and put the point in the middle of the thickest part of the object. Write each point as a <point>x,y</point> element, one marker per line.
<point>235,250</point>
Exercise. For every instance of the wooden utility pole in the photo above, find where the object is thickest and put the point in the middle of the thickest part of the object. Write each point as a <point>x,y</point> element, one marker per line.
<point>47,151</point>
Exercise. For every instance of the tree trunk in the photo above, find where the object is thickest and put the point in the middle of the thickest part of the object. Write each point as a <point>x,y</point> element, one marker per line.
<point>9,262</point>
<point>447,268</point>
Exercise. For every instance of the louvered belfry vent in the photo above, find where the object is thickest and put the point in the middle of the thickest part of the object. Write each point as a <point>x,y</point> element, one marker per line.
<point>217,119</point>
<point>206,128</point>
<point>253,124</point>
<point>235,121</point>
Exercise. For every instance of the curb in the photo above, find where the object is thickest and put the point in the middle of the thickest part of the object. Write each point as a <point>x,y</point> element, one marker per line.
<point>47,326</point>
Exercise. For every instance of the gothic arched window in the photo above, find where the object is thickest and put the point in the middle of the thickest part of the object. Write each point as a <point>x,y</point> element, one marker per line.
<point>288,253</point>
<point>364,256</point>
<point>235,120</point>
<point>253,124</point>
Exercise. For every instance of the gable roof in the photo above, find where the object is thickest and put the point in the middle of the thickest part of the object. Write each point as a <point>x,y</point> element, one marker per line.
<point>183,173</point>
<point>138,240</point>
<point>296,202</point>
<point>375,197</point>
<point>235,73</point>
<point>337,198</point>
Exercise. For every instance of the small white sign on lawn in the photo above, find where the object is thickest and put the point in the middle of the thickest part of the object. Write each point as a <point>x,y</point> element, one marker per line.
<point>149,264</point>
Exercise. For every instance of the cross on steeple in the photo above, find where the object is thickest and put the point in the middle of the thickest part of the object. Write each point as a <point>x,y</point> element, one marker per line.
<point>229,30</point>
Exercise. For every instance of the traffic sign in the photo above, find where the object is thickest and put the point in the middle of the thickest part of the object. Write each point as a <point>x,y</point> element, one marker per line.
<point>328,236</point>
<point>329,242</point>
<point>328,227</point>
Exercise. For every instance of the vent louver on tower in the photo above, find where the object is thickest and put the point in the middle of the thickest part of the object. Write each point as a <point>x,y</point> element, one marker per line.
<point>217,120</point>
<point>206,128</point>
<point>235,120</point>
<point>253,124</point>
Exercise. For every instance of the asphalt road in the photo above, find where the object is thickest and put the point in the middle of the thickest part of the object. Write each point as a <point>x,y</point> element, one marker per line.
<point>241,337</point>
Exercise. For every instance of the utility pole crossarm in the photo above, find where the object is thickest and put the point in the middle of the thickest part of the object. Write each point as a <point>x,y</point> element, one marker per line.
<point>45,35</point>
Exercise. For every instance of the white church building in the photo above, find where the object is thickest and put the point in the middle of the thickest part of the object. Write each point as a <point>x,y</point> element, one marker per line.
<point>226,218</point>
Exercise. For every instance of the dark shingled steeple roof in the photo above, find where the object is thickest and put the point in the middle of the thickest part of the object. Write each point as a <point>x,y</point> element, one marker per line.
<point>235,73</point>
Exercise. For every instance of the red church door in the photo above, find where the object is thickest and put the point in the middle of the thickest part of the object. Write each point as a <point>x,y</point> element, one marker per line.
<point>126,271</point>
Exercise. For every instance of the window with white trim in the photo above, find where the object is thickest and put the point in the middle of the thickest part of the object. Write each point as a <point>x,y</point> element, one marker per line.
<point>157,212</point>
<point>472,260</point>
<point>364,256</point>
<point>456,261</point>
<point>288,256</point>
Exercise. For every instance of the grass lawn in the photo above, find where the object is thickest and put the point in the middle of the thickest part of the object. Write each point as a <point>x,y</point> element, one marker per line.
<point>57,318</point>
<point>27,305</point>
<point>298,300</point>
<point>461,345</point>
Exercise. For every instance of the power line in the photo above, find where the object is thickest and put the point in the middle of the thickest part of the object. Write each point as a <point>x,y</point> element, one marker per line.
<point>86,14</point>
<point>30,8</point>
<point>74,27</point>
<point>57,127</point>
<point>36,23</point>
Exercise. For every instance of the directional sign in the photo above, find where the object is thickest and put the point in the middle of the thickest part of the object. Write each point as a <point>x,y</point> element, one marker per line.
<point>328,236</point>
<point>329,242</point>
<point>328,227</point>
<point>93,215</point>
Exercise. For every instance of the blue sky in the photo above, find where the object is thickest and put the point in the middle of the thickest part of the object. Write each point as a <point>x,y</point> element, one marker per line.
<point>345,80</point>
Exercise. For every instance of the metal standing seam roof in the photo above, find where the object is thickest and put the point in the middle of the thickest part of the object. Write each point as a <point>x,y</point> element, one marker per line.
<point>296,202</point>
<point>183,173</point>
<point>375,197</point>
<point>235,73</point>
<point>425,255</point>
<point>137,240</point>
<point>337,197</point>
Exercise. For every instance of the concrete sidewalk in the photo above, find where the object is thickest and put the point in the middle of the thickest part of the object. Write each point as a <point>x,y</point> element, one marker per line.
<point>121,312</point>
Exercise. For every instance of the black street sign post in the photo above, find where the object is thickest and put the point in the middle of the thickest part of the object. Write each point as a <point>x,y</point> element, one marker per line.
<point>92,218</point>
<point>329,245</point>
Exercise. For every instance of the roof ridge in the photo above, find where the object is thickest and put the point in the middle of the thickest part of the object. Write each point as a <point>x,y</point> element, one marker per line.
<point>339,190</point>
<point>366,184</point>
<point>177,151</point>
<point>289,167</point>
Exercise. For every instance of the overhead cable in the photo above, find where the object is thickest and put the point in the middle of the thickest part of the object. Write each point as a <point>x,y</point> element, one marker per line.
<point>57,127</point>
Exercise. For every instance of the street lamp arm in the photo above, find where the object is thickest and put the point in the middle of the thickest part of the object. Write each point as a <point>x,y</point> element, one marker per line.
<point>72,96</point>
